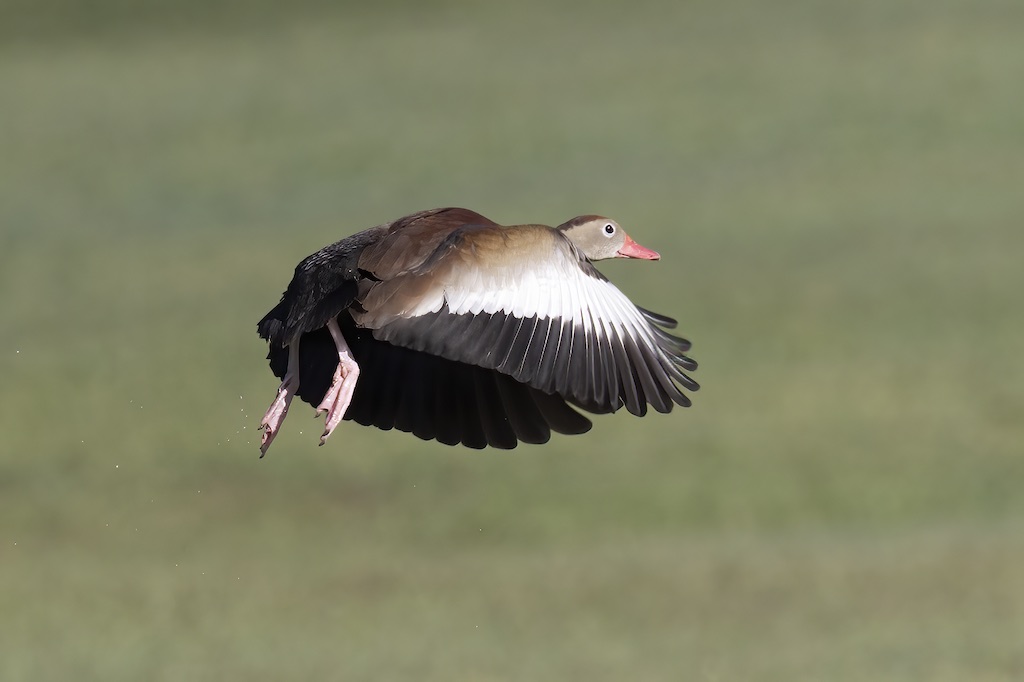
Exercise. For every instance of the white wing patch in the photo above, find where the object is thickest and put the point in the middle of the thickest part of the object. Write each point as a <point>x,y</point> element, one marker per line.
<point>557,288</point>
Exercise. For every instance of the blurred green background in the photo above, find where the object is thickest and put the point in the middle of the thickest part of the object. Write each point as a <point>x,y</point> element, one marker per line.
<point>836,192</point>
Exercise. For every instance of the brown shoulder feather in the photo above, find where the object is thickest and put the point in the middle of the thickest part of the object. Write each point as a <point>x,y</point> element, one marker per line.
<point>411,240</point>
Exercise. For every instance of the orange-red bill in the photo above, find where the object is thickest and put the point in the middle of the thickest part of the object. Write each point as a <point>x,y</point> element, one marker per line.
<point>630,249</point>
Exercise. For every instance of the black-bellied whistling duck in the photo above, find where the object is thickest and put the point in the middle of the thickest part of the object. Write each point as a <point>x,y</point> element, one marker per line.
<point>449,326</point>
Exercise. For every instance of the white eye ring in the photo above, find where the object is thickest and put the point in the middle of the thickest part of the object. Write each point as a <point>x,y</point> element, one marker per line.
<point>609,229</point>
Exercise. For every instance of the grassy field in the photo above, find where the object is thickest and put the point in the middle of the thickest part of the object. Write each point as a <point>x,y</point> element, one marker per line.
<point>835,189</point>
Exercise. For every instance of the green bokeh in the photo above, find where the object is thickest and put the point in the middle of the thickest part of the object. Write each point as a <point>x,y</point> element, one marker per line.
<point>835,189</point>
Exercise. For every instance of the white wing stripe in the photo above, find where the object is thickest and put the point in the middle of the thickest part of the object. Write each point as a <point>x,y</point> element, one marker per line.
<point>570,295</point>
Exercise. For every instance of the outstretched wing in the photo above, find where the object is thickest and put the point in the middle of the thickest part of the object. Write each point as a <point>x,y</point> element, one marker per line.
<point>525,303</point>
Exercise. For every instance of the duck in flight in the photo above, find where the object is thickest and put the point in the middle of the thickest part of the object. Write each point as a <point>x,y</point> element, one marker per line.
<point>449,326</point>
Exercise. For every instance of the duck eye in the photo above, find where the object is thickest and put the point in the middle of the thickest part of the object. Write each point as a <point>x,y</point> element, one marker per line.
<point>609,229</point>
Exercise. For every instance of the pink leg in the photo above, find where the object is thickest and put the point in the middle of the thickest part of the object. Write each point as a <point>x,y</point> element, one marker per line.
<point>278,410</point>
<point>343,384</point>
